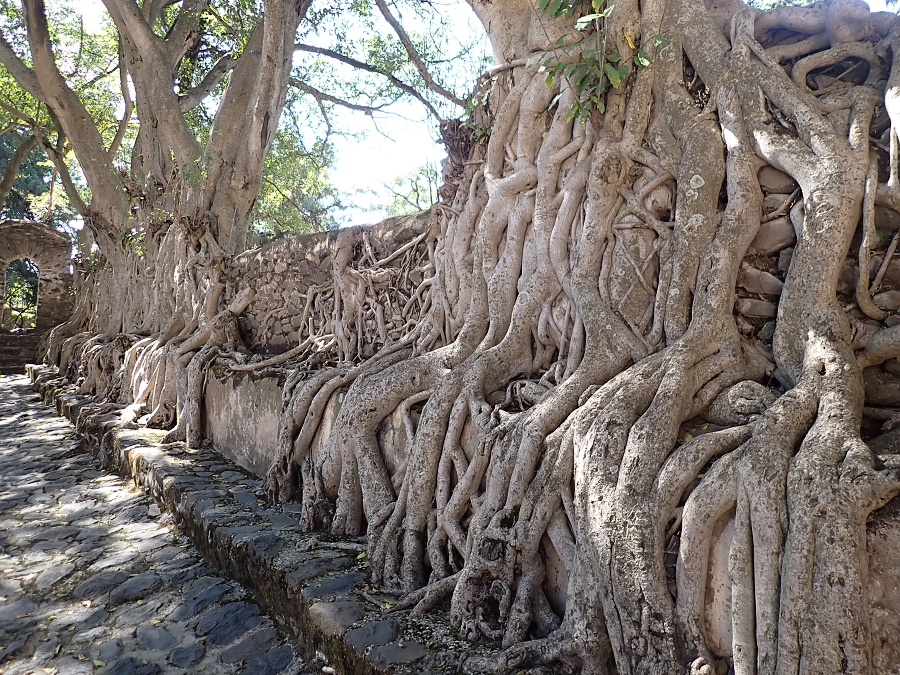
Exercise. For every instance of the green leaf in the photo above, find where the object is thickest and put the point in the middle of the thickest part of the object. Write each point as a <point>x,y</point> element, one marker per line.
<point>614,57</point>
<point>612,74</point>
<point>642,59</point>
<point>586,20</point>
<point>597,4</point>
<point>624,70</point>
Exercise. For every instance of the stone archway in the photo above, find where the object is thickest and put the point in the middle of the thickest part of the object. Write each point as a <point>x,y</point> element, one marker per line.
<point>52,253</point>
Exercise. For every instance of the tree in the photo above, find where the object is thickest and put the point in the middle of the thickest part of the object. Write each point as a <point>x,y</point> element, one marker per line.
<point>586,281</point>
<point>414,192</point>
<point>580,323</point>
<point>20,304</point>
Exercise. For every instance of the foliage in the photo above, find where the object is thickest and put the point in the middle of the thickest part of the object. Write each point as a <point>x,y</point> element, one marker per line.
<point>21,294</point>
<point>592,70</point>
<point>295,196</point>
<point>413,192</point>
<point>32,179</point>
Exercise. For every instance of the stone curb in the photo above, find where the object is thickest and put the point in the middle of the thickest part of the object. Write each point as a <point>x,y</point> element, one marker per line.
<point>316,587</point>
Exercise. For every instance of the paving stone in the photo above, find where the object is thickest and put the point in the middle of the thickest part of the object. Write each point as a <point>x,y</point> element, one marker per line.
<point>395,653</point>
<point>109,650</point>
<point>137,612</point>
<point>234,626</point>
<point>372,634</point>
<point>99,583</point>
<point>91,635</point>
<point>253,645</point>
<point>135,588</point>
<point>201,601</point>
<point>115,560</point>
<point>69,665</point>
<point>133,666</point>
<point>14,646</point>
<point>270,663</point>
<point>50,576</point>
<point>156,638</point>
<point>131,515</point>
<point>187,656</point>
<point>63,532</point>
<point>17,609</point>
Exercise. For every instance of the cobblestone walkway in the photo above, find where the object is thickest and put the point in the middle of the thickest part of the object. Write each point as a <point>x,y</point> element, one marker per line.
<point>94,579</point>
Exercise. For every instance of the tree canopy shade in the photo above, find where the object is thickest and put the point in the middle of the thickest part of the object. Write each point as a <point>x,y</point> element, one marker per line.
<point>657,310</point>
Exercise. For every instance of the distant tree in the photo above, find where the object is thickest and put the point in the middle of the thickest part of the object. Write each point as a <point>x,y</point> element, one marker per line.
<point>21,294</point>
<point>413,192</point>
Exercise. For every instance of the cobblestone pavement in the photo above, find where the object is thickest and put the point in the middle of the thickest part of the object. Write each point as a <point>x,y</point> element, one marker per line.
<point>94,579</point>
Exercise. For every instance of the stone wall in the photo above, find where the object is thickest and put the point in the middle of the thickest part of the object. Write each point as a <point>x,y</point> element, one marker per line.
<point>52,252</point>
<point>331,283</point>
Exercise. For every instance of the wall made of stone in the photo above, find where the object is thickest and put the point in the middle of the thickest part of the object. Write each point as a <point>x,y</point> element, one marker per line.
<point>51,251</point>
<point>295,282</point>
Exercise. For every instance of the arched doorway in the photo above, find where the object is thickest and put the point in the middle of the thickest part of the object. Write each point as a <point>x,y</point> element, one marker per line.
<point>37,259</point>
<point>20,297</point>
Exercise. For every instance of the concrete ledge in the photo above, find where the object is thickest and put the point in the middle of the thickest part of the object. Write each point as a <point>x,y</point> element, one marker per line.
<point>315,586</point>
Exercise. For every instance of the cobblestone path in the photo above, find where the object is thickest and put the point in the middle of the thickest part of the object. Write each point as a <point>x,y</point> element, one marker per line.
<point>94,579</point>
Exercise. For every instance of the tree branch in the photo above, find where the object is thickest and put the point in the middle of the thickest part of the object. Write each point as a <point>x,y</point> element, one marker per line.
<point>415,57</point>
<point>322,96</point>
<point>15,163</point>
<point>350,61</point>
<point>129,105</point>
<point>183,32</point>
<point>22,74</point>
<point>69,112</point>
<point>191,99</point>
<point>150,70</point>
<point>57,156</point>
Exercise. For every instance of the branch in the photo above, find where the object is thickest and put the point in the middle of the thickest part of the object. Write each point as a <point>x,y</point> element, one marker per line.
<point>69,113</point>
<point>322,96</point>
<point>883,345</point>
<point>151,73</point>
<point>57,156</point>
<point>191,99</point>
<point>371,69</point>
<point>415,57</point>
<point>129,105</point>
<point>12,169</point>
<point>20,72</point>
<point>184,31</point>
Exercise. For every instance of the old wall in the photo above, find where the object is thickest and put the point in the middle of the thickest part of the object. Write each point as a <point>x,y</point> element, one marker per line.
<point>350,288</point>
<point>333,283</point>
<point>52,252</point>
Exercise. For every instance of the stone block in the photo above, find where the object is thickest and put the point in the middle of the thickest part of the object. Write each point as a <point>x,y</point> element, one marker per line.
<point>756,308</point>
<point>889,301</point>
<point>372,634</point>
<point>758,281</point>
<point>773,180</point>
<point>333,618</point>
<point>773,236</point>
